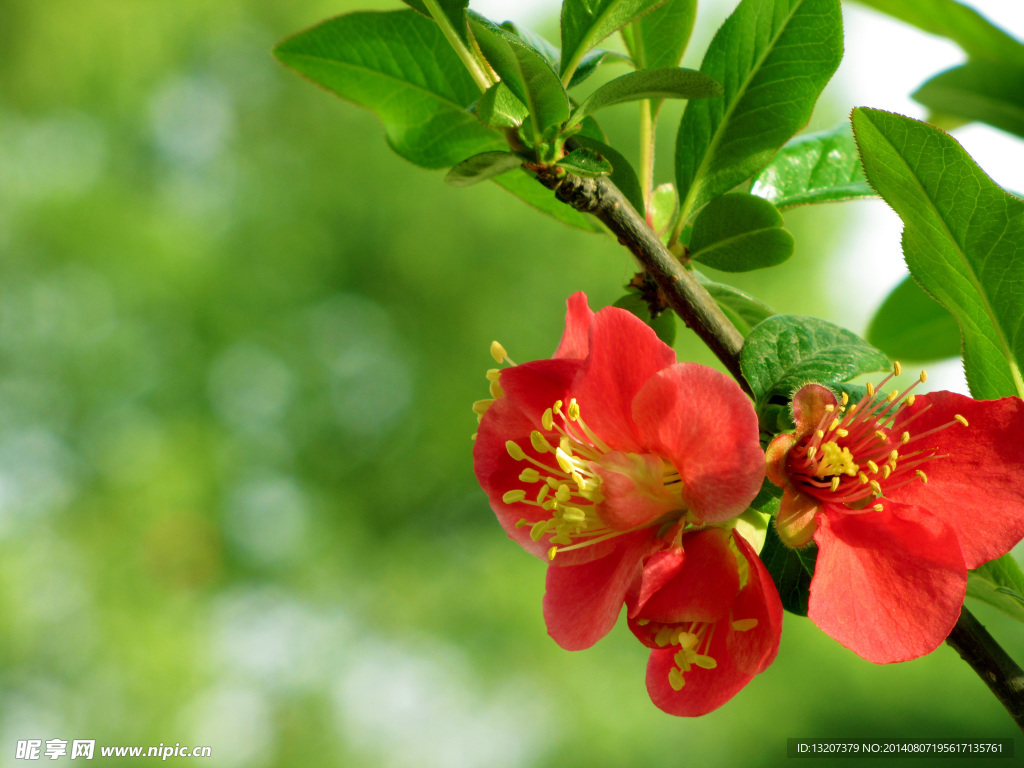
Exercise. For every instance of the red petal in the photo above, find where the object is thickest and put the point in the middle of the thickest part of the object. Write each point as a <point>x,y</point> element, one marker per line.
<point>659,568</point>
<point>754,649</point>
<point>633,488</point>
<point>624,353</point>
<point>703,423</point>
<point>582,602</point>
<point>775,458</point>
<point>575,339</point>
<point>512,417</point>
<point>705,587</point>
<point>888,585</point>
<point>809,407</point>
<point>704,690</point>
<point>979,488</point>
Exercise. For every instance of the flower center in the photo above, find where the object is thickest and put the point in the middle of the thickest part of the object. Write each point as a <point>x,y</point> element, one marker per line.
<point>855,455</point>
<point>592,492</point>
<point>694,642</point>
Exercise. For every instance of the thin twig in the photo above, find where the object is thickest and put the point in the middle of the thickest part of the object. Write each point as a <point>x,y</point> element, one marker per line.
<point>1001,673</point>
<point>685,294</point>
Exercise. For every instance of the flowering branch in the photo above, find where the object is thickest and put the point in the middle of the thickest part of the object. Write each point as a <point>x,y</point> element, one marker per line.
<point>685,295</point>
<point>1001,673</point>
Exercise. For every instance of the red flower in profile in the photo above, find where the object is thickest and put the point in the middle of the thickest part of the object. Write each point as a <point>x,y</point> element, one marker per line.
<point>590,458</point>
<point>902,495</point>
<point>711,614</point>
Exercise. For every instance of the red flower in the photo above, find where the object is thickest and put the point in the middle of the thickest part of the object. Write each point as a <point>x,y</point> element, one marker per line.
<point>902,494</point>
<point>711,614</point>
<point>592,457</point>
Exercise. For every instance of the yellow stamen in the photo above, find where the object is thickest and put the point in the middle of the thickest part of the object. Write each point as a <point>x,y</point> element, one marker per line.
<point>511,497</point>
<point>495,389</point>
<point>961,419</point>
<point>480,407</point>
<point>498,352</point>
<point>920,473</point>
<point>742,625</point>
<point>872,466</point>
<point>493,374</point>
<point>897,369</point>
<point>552,552</point>
<point>878,507</point>
<point>871,389</point>
<point>835,483</point>
<point>924,376</point>
<point>539,443</point>
<point>548,420</point>
<point>530,475</point>
<point>514,450</point>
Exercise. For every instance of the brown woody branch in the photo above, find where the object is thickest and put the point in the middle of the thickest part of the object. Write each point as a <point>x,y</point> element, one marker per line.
<point>992,664</point>
<point>686,296</point>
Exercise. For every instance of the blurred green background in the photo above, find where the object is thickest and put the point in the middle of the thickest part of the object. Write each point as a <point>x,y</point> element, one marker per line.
<point>239,340</point>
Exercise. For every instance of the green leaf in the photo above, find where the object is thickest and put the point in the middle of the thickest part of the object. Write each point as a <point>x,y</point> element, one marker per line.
<point>999,583</point>
<point>815,168</point>
<point>529,190</point>
<point>791,570</point>
<point>667,83</point>
<point>585,162</point>
<point>664,325</point>
<point>588,64</point>
<point>454,11</point>
<point>773,57</point>
<point>585,23</point>
<point>499,108</point>
<point>481,167</point>
<point>785,352</point>
<point>400,66</point>
<point>623,176</point>
<point>741,308</point>
<point>738,233</point>
<point>911,325</point>
<point>978,36</point>
<point>963,239</point>
<point>979,90</point>
<point>659,38</point>
<point>525,71</point>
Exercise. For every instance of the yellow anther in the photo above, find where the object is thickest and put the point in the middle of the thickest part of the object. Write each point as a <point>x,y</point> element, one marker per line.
<point>539,443</point>
<point>892,395</point>
<point>830,408</point>
<point>920,473</point>
<point>553,482</point>
<point>876,487</point>
<point>743,625</point>
<point>522,522</point>
<point>493,374</point>
<point>563,493</point>
<point>886,471</point>
<point>498,352</point>
<point>812,451</point>
<point>872,466</point>
<point>574,410</point>
<point>480,407</point>
<point>905,438</point>
<point>705,662</point>
<point>923,377</point>
<point>495,389</point>
<point>833,425</point>
<point>643,622</point>
<point>529,475</point>
<point>842,432</point>
<point>542,494</point>
<point>538,529</point>
<point>878,507</point>
<point>863,478</point>
<point>835,483</point>
<point>911,399</point>
<point>893,455</point>
<point>961,419</point>
<point>820,433</point>
<point>548,420</point>
<point>846,398</point>
<point>871,389</point>
<point>574,515</point>
<point>675,679</point>
<point>552,552</point>
<point>514,450</point>
<point>881,435</point>
<point>511,497</point>
<point>557,407</point>
<point>664,636</point>
<point>897,369</point>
